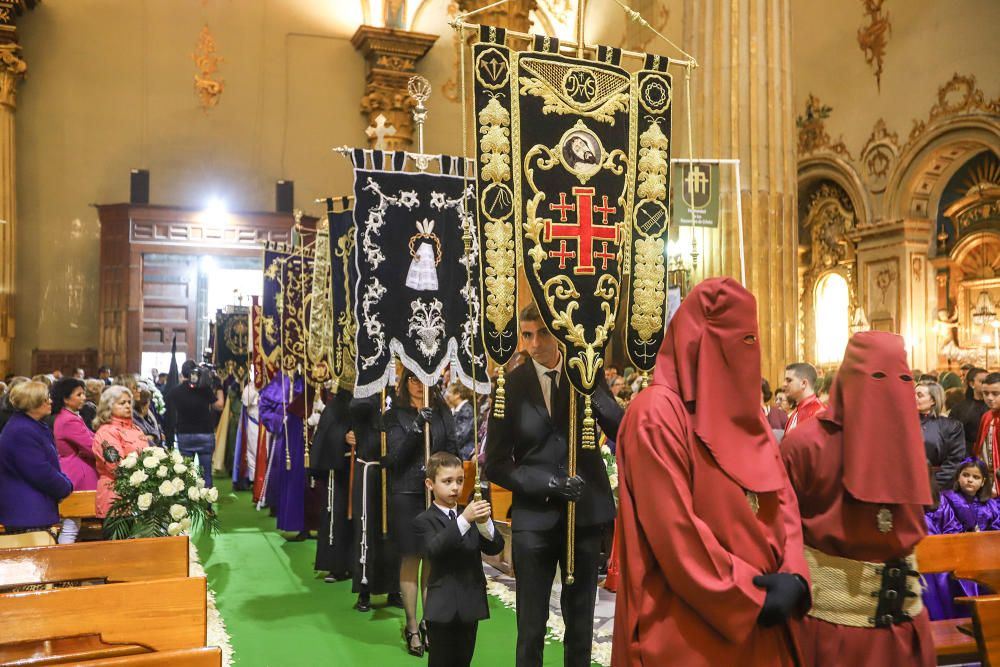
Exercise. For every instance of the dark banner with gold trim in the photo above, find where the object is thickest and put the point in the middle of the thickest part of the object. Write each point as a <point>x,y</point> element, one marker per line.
<point>293,307</point>
<point>645,319</point>
<point>570,122</point>
<point>231,342</point>
<point>344,275</point>
<point>495,210</point>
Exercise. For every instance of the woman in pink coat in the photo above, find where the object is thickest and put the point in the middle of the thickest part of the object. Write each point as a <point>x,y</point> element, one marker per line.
<point>73,441</point>
<point>73,436</point>
<point>117,432</point>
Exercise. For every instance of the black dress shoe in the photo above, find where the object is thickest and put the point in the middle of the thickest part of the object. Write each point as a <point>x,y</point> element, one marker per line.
<point>363,604</point>
<point>334,577</point>
<point>300,536</point>
<point>394,600</point>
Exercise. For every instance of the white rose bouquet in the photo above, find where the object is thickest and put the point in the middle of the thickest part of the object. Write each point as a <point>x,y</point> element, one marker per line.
<point>152,504</point>
<point>612,465</point>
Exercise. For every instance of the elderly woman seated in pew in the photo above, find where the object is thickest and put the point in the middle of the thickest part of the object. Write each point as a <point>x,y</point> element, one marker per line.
<point>117,436</point>
<point>31,482</point>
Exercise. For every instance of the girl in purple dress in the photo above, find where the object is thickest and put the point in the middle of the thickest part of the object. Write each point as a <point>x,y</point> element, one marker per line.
<point>967,507</point>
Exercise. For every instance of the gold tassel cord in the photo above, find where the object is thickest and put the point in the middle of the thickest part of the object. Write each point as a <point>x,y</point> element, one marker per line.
<point>571,506</point>
<point>384,451</point>
<point>500,400</point>
<point>589,439</point>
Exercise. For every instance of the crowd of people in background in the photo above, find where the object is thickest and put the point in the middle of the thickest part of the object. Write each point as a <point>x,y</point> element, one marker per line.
<point>61,433</point>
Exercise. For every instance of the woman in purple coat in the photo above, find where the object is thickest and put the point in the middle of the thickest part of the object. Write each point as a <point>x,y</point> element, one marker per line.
<point>31,483</point>
<point>967,507</point>
<point>73,440</point>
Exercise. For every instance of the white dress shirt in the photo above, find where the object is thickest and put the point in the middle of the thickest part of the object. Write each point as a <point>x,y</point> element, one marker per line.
<point>545,382</point>
<point>485,529</point>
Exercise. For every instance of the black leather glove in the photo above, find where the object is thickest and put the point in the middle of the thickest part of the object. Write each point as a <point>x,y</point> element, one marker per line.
<point>785,593</point>
<point>424,416</point>
<point>567,488</point>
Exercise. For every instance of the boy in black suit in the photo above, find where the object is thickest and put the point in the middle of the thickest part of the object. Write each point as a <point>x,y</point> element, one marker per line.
<point>456,592</point>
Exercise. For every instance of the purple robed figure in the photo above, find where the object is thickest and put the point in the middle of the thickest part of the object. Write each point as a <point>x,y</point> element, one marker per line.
<point>956,513</point>
<point>282,414</point>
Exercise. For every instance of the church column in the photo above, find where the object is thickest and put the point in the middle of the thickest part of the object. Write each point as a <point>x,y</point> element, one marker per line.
<point>514,15</point>
<point>12,70</point>
<point>742,108</point>
<point>391,57</point>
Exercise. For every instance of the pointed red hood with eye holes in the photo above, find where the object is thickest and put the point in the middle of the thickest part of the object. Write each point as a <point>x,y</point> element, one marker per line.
<point>711,343</point>
<point>872,401</point>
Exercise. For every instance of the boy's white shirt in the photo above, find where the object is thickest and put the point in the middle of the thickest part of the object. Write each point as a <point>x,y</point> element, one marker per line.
<point>485,529</point>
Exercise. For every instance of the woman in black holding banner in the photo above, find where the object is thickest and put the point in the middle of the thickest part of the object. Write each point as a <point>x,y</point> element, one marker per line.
<point>404,425</point>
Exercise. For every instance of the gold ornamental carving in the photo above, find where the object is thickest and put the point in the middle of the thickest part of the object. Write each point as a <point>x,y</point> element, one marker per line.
<point>207,86</point>
<point>874,37</point>
<point>813,136</point>
<point>12,70</point>
<point>960,95</point>
<point>391,57</point>
<point>878,156</point>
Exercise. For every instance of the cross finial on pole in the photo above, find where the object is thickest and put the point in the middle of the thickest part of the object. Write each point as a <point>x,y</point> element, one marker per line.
<point>379,131</point>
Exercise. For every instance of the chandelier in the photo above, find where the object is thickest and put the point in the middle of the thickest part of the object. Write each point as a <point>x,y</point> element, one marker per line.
<point>983,314</point>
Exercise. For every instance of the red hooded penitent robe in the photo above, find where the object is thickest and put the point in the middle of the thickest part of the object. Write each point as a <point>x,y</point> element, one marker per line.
<point>862,454</point>
<point>689,540</point>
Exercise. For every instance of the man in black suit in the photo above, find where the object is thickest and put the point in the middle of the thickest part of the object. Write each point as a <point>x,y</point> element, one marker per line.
<point>456,591</point>
<point>526,452</point>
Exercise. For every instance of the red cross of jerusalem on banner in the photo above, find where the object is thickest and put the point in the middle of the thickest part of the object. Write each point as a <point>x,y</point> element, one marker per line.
<point>573,165</point>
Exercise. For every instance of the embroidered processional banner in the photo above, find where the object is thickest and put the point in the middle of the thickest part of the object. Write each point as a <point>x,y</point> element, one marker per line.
<point>319,334</point>
<point>413,293</point>
<point>573,170</point>
<point>344,275</point>
<point>296,284</point>
<point>262,373</point>
<point>269,342</point>
<point>231,342</point>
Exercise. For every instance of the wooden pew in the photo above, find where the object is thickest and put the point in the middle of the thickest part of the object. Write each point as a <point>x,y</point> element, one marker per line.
<point>110,562</point>
<point>986,625</point>
<point>158,615</point>
<point>37,538</point>
<point>974,556</point>
<point>207,656</point>
<point>500,500</point>
<point>79,504</point>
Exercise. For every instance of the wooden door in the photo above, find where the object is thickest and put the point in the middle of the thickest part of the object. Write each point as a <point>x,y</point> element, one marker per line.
<point>169,302</point>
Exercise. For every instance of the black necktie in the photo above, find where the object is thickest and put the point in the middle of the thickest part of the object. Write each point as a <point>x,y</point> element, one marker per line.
<point>552,391</point>
<point>451,515</point>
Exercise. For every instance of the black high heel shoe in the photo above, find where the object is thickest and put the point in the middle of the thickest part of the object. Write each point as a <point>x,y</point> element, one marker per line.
<point>417,650</point>
<point>422,629</point>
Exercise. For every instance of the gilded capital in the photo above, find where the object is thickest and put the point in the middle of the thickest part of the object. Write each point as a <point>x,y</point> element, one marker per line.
<point>391,58</point>
<point>12,70</point>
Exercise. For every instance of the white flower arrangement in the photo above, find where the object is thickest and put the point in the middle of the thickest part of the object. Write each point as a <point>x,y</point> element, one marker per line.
<point>159,493</point>
<point>611,464</point>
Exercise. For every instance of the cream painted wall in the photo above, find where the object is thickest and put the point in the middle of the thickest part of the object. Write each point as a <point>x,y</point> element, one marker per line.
<point>930,41</point>
<point>110,87</point>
